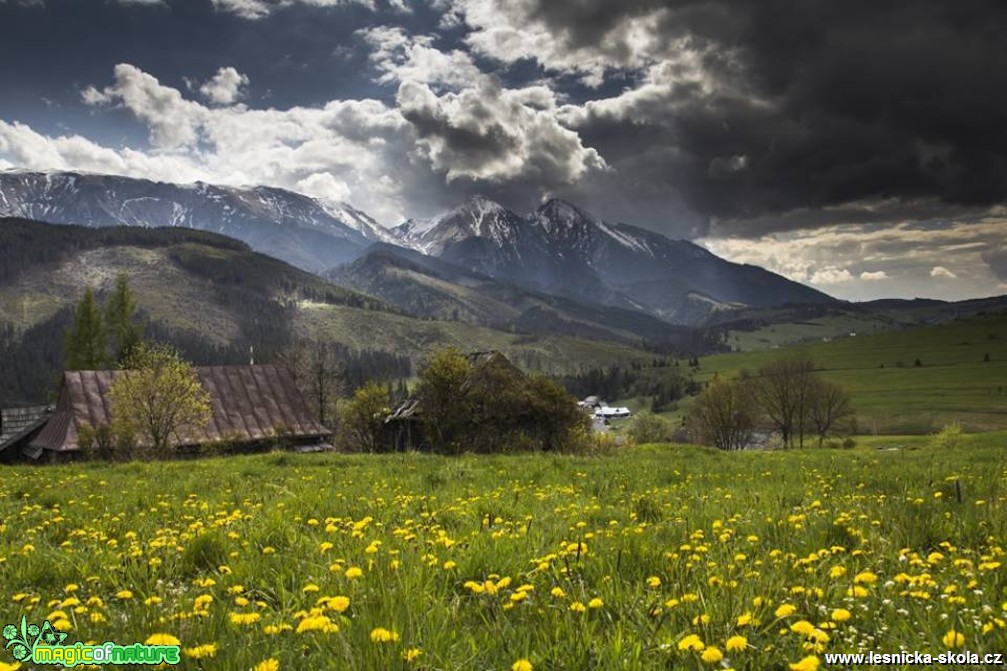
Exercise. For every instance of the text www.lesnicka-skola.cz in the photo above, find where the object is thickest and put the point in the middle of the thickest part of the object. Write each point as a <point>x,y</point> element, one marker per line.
<point>993,659</point>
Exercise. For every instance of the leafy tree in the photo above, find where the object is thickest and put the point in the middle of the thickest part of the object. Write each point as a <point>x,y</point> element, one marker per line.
<point>722,415</point>
<point>554,417</point>
<point>86,343</point>
<point>441,392</point>
<point>646,427</point>
<point>124,333</point>
<point>493,407</point>
<point>365,416</point>
<point>158,398</point>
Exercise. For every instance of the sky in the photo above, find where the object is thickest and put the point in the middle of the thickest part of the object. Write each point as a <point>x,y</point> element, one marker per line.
<point>859,147</point>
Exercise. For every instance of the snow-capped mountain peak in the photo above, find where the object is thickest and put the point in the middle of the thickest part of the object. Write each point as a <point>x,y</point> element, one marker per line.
<point>477,217</point>
<point>288,225</point>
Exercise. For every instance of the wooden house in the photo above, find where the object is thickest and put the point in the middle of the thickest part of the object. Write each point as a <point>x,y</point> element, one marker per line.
<point>18,426</point>
<point>251,406</point>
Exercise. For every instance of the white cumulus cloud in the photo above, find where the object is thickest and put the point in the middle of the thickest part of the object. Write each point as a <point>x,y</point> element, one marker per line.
<point>831,276</point>
<point>942,272</point>
<point>226,87</point>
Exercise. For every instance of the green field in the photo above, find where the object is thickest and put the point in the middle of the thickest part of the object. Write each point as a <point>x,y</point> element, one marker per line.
<point>890,393</point>
<point>657,557</point>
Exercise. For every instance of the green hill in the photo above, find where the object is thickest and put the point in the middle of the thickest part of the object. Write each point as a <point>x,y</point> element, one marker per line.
<point>954,381</point>
<point>215,298</point>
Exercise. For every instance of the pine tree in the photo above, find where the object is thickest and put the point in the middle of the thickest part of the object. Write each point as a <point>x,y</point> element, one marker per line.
<point>124,333</point>
<point>86,343</point>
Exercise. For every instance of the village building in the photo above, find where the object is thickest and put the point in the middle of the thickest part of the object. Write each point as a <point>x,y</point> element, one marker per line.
<point>251,407</point>
<point>602,410</point>
<point>17,428</point>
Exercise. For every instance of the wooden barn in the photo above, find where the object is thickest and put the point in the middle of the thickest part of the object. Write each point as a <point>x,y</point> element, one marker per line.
<point>251,406</point>
<point>18,426</point>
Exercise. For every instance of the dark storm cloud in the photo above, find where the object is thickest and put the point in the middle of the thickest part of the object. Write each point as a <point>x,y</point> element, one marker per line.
<point>996,259</point>
<point>812,104</point>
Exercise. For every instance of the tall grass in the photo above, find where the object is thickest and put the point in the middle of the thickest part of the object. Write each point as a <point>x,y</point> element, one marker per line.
<point>475,562</point>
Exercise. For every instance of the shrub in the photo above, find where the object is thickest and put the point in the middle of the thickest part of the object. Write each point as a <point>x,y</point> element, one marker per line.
<point>949,437</point>
<point>647,427</point>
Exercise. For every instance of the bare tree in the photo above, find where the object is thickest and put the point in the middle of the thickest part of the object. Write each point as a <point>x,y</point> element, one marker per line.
<point>723,415</point>
<point>319,375</point>
<point>829,409</point>
<point>783,390</point>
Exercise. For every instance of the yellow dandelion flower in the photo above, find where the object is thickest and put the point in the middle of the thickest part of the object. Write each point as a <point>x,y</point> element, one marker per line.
<point>354,572</point>
<point>448,565</point>
<point>270,664</point>
<point>837,572</point>
<point>691,642</point>
<point>595,603</point>
<point>558,592</point>
<point>578,607</point>
<point>382,635</point>
<point>841,615</point>
<point>744,619</point>
<point>736,644</point>
<point>653,582</point>
<point>809,663</point>
<point>857,592</point>
<point>412,654</point>
<point>156,639</point>
<point>310,588</point>
<point>953,639</point>
<point>317,623</point>
<point>785,610</point>
<point>522,665</point>
<point>865,577</point>
<point>243,618</point>
<point>338,603</point>
<point>803,627</point>
<point>9,667</point>
<point>124,594</point>
<point>201,651</point>
<point>712,655</point>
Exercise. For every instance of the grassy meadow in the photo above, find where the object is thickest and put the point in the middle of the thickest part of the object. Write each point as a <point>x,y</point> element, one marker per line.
<point>891,394</point>
<point>654,557</point>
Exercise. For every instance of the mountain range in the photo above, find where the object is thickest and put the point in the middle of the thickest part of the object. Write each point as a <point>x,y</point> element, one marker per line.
<point>295,228</point>
<point>558,249</point>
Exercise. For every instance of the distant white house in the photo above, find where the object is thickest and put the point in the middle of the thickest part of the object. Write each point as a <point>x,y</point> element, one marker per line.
<point>602,410</point>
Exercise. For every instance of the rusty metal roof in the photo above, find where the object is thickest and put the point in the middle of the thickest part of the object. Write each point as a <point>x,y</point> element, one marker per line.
<point>248,403</point>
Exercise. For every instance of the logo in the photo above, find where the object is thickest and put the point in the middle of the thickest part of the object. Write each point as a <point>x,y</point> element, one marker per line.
<point>45,645</point>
